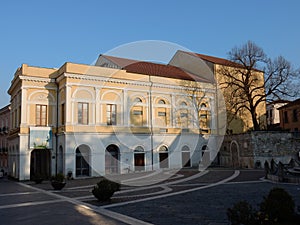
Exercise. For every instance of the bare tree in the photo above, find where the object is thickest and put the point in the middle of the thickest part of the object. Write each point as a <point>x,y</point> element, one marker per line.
<point>252,78</point>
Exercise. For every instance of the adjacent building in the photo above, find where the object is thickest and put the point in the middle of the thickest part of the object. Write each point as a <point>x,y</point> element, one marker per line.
<point>290,116</point>
<point>273,118</point>
<point>236,122</point>
<point>4,129</point>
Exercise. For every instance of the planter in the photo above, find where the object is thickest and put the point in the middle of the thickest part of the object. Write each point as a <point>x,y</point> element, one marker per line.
<point>57,185</point>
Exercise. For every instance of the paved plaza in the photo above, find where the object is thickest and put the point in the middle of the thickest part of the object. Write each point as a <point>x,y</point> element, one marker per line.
<point>187,197</point>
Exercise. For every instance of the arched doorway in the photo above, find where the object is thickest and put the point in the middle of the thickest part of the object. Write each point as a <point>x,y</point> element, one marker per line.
<point>139,159</point>
<point>163,157</point>
<point>112,156</point>
<point>82,161</point>
<point>40,161</point>
<point>234,150</point>
<point>186,156</point>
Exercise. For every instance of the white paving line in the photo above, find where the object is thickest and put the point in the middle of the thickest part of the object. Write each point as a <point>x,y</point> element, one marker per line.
<point>29,204</point>
<point>246,182</point>
<point>236,174</point>
<point>113,215</point>
<point>20,193</point>
<point>165,190</point>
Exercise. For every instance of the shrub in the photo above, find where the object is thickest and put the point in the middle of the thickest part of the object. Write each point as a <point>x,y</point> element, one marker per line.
<point>105,189</point>
<point>241,213</point>
<point>278,205</point>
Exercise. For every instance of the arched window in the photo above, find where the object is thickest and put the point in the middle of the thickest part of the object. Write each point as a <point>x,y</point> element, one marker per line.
<point>139,149</point>
<point>183,104</point>
<point>162,102</point>
<point>203,105</point>
<point>136,112</point>
<point>163,149</point>
<point>138,100</point>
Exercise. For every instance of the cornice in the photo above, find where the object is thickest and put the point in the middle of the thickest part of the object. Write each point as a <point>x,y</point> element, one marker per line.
<point>148,84</point>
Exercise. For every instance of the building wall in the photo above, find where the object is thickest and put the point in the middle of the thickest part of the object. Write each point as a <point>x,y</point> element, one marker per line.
<point>164,119</point>
<point>242,121</point>
<point>251,150</point>
<point>4,129</point>
<point>273,112</point>
<point>290,117</point>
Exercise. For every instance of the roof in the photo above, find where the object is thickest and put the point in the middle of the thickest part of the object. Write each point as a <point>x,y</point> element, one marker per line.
<point>293,103</point>
<point>161,70</point>
<point>121,62</point>
<point>279,101</point>
<point>219,61</point>
<point>154,69</point>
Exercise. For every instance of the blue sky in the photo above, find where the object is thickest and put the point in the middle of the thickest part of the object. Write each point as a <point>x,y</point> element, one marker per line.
<point>50,33</point>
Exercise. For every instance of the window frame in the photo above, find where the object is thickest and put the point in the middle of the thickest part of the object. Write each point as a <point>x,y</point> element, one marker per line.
<point>41,120</point>
<point>83,119</point>
<point>111,114</point>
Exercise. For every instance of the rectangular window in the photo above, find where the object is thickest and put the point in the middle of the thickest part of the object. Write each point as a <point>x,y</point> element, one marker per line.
<point>41,115</point>
<point>137,116</point>
<point>111,114</point>
<point>83,113</point>
<point>162,114</point>
<point>183,115</point>
<point>62,114</point>
<point>286,119</point>
<point>137,112</point>
<point>295,115</point>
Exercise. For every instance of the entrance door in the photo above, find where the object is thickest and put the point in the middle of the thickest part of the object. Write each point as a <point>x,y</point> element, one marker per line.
<point>139,159</point>
<point>112,159</point>
<point>40,162</point>
<point>82,161</point>
<point>163,157</point>
<point>185,156</point>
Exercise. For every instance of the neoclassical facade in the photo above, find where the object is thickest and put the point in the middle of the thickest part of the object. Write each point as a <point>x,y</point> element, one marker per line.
<point>108,118</point>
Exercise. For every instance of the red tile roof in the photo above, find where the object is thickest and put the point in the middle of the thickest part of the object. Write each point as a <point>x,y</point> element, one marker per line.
<point>154,69</point>
<point>220,61</point>
<point>216,60</point>
<point>121,62</point>
<point>161,70</point>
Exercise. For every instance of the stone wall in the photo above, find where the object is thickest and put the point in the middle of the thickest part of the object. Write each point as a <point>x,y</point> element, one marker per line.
<point>251,150</point>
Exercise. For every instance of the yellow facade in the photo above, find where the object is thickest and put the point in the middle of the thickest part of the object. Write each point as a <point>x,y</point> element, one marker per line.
<point>241,122</point>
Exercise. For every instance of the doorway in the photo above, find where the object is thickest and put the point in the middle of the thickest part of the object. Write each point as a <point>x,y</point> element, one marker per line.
<point>40,161</point>
<point>112,155</point>
<point>163,157</point>
<point>139,159</point>
<point>82,161</point>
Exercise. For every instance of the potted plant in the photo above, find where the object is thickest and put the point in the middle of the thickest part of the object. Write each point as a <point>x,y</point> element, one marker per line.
<point>58,181</point>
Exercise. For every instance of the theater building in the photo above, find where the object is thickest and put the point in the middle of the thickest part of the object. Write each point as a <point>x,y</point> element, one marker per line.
<point>117,116</point>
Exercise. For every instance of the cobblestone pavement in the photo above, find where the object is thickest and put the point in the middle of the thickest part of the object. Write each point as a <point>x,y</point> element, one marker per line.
<point>189,197</point>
